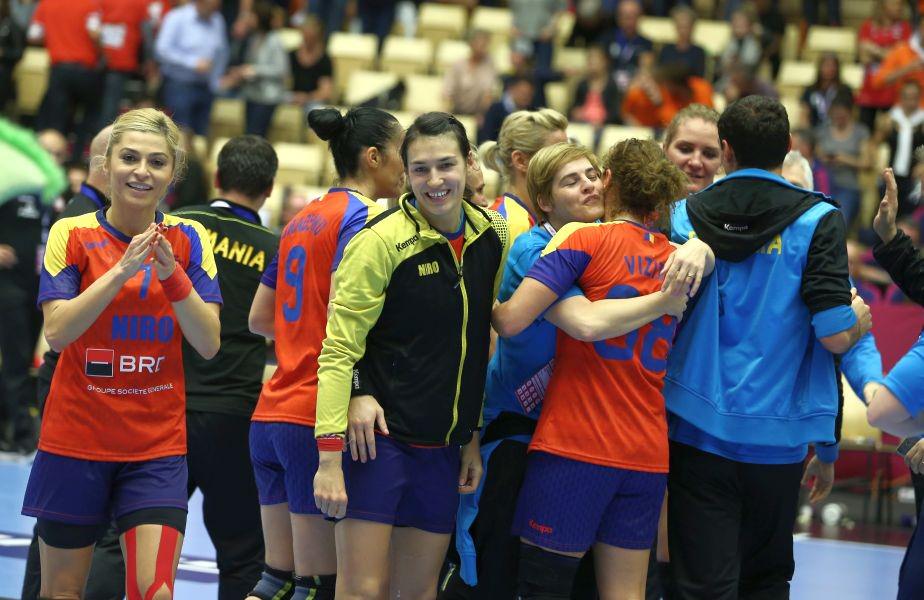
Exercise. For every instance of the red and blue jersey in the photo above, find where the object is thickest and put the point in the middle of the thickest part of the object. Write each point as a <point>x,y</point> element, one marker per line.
<point>604,404</point>
<point>518,215</point>
<point>310,251</point>
<point>118,393</point>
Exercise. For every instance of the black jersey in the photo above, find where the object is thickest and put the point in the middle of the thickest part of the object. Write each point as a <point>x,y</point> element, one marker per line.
<point>230,382</point>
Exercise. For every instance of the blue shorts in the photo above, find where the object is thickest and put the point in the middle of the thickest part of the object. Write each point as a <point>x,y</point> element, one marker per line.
<point>568,505</point>
<point>405,486</point>
<point>906,379</point>
<point>285,459</point>
<point>93,492</point>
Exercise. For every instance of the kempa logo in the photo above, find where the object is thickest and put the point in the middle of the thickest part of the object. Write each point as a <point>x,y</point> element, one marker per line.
<point>730,227</point>
<point>408,242</point>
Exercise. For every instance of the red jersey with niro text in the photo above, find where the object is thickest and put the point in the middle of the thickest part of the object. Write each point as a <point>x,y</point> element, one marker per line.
<point>117,393</point>
<point>604,404</point>
<point>310,251</point>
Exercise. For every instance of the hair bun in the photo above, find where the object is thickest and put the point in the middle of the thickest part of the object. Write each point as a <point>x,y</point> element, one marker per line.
<point>326,122</point>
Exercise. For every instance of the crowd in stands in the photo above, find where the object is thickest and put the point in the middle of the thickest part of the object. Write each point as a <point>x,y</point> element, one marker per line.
<point>107,56</point>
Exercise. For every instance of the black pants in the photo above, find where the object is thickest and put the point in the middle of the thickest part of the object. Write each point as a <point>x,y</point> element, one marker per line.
<point>497,549</point>
<point>730,526</point>
<point>219,465</point>
<point>911,576</point>
<point>72,86</point>
<point>19,329</point>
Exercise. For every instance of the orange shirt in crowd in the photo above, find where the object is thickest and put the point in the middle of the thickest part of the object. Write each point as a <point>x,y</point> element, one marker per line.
<point>639,106</point>
<point>897,59</point>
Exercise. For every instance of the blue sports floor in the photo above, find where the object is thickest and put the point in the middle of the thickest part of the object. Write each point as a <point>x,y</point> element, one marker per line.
<point>824,568</point>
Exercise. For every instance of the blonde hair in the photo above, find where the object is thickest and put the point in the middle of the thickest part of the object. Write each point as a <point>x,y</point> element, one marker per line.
<point>523,130</point>
<point>693,111</point>
<point>644,180</point>
<point>150,120</point>
<point>540,176</point>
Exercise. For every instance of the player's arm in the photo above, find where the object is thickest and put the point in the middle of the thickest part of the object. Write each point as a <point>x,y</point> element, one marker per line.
<point>604,319</point>
<point>198,319</point>
<point>525,306</point>
<point>895,406</point>
<point>355,307</point>
<point>262,312</point>
<point>862,365</point>
<point>896,252</point>
<point>686,267</point>
<point>263,309</point>
<point>839,316</point>
<point>67,319</point>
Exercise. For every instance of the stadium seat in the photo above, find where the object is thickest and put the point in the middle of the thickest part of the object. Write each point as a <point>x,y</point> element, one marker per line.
<point>471,126</point>
<point>211,166</point>
<point>200,148</point>
<point>492,183</point>
<point>793,106</point>
<point>571,61</point>
<point>852,75</point>
<point>351,52</point>
<point>565,27</point>
<point>558,96</point>
<point>497,21</point>
<point>839,40</point>
<point>613,134</point>
<point>794,77</point>
<point>291,38</point>
<point>659,30</point>
<point>31,76</point>
<point>288,124</point>
<point>227,119</point>
<point>713,36</point>
<point>299,164</point>
<point>789,49</point>
<point>501,57</point>
<point>448,53</point>
<point>406,56</point>
<point>582,133</point>
<point>437,22</point>
<point>366,85</point>
<point>404,118</point>
<point>423,93</point>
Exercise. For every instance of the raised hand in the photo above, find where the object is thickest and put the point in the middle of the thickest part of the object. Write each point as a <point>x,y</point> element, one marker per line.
<point>884,222</point>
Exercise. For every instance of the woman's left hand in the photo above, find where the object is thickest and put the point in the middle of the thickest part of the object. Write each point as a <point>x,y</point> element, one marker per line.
<point>471,469</point>
<point>684,269</point>
<point>164,261</point>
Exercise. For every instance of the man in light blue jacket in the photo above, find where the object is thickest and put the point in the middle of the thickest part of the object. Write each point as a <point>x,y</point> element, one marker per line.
<point>750,382</point>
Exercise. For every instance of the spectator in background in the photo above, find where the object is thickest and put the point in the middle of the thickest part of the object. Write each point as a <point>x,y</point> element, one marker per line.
<point>195,184</point>
<point>518,96</point>
<point>597,99</point>
<point>743,49</point>
<point>591,18</point>
<point>121,36</point>
<point>810,12</point>
<point>262,77</point>
<point>797,170</point>
<point>12,45</point>
<point>903,131</point>
<point>803,141</point>
<point>843,145</point>
<point>536,21</point>
<point>816,99</point>
<point>377,17</point>
<point>878,35</point>
<point>742,82</point>
<point>653,100</point>
<point>70,31</point>
<point>55,144</point>
<point>771,27</point>
<point>470,84</point>
<point>193,52</point>
<point>903,62</point>
<point>330,13</point>
<point>311,68</point>
<point>628,49</point>
<point>684,51</point>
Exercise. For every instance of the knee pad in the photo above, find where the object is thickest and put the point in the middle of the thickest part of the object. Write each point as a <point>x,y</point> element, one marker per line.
<point>274,585</point>
<point>163,569</point>
<point>544,575</point>
<point>316,587</point>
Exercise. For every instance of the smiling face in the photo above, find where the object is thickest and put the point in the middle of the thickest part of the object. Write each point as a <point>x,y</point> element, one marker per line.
<point>140,169</point>
<point>436,174</point>
<point>576,195</point>
<point>695,149</point>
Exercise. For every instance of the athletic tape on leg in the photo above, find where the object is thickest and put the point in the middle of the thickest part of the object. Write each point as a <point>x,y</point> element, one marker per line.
<point>163,566</point>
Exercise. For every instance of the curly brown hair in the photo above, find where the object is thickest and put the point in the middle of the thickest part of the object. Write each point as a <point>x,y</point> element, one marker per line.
<point>644,182</point>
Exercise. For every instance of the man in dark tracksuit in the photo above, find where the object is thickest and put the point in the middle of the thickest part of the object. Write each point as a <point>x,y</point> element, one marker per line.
<point>221,393</point>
